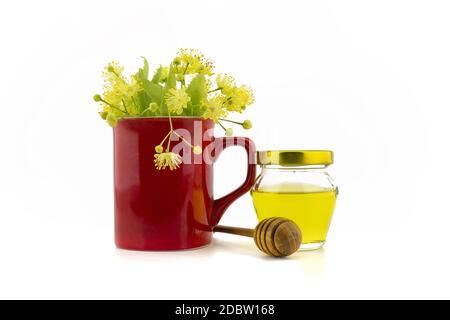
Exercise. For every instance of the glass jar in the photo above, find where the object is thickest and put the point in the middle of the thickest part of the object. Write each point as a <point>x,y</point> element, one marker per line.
<point>294,184</point>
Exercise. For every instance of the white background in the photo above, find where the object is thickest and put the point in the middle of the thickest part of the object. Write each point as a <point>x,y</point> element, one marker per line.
<point>367,79</point>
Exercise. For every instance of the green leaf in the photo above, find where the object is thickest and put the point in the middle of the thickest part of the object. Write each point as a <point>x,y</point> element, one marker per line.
<point>143,99</point>
<point>142,74</point>
<point>162,106</point>
<point>171,79</point>
<point>103,114</point>
<point>197,92</point>
<point>158,75</point>
<point>153,90</point>
<point>157,92</point>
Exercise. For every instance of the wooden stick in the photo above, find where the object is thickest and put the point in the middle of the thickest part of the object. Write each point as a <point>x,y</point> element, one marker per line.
<point>277,237</point>
<point>238,231</point>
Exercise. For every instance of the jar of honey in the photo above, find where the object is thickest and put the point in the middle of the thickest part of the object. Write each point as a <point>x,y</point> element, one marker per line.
<point>295,184</point>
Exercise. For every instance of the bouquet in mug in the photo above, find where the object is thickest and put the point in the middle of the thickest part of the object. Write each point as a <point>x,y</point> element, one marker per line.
<point>186,87</point>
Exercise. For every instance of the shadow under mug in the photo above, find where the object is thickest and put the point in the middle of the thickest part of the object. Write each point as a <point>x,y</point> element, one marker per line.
<point>157,210</point>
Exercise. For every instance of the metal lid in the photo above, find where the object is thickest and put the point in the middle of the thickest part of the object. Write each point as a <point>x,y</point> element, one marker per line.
<point>292,158</point>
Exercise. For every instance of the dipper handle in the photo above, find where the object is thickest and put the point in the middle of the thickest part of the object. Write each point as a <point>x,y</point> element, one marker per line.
<point>277,237</point>
<point>237,231</point>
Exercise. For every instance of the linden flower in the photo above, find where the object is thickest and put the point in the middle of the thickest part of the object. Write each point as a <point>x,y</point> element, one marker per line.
<point>114,67</point>
<point>229,132</point>
<point>120,94</point>
<point>164,74</point>
<point>153,107</point>
<point>177,100</point>
<point>247,124</point>
<point>189,88</point>
<point>208,85</point>
<point>214,109</point>
<point>167,159</point>
<point>225,82</point>
<point>112,119</point>
<point>239,98</point>
<point>197,150</point>
<point>114,78</point>
<point>189,61</point>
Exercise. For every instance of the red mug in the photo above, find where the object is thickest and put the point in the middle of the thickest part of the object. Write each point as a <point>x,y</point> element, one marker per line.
<point>159,210</point>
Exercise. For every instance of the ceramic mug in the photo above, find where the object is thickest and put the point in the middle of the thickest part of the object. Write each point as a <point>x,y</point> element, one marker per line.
<point>164,209</point>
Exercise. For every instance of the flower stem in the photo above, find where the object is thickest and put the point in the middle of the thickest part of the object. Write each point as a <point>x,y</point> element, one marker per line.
<point>114,107</point>
<point>220,124</point>
<point>170,121</point>
<point>142,113</point>
<point>164,140</point>
<point>135,104</point>
<point>125,106</point>
<point>235,122</point>
<point>185,69</point>
<point>217,89</point>
<point>184,140</point>
<point>171,131</point>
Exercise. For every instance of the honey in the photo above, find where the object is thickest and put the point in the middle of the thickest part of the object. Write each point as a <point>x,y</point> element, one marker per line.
<point>309,206</point>
<point>295,184</point>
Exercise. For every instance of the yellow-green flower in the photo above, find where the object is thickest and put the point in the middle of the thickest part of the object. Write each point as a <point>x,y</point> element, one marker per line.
<point>177,100</point>
<point>214,108</point>
<point>114,68</point>
<point>197,150</point>
<point>190,61</point>
<point>247,124</point>
<point>164,74</point>
<point>229,132</point>
<point>112,119</point>
<point>208,85</point>
<point>225,82</point>
<point>167,159</point>
<point>188,90</point>
<point>239,98</point>
<point>153,107</point>
<point>120,93</point>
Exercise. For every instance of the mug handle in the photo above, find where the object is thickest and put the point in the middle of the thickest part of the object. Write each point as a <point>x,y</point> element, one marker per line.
<point>222,204</point>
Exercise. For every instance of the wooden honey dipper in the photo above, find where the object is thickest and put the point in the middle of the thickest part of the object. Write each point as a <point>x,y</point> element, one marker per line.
<point>277,237</point>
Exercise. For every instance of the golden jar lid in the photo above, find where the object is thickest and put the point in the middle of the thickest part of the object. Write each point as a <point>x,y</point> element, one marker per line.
<point>292,158</point>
